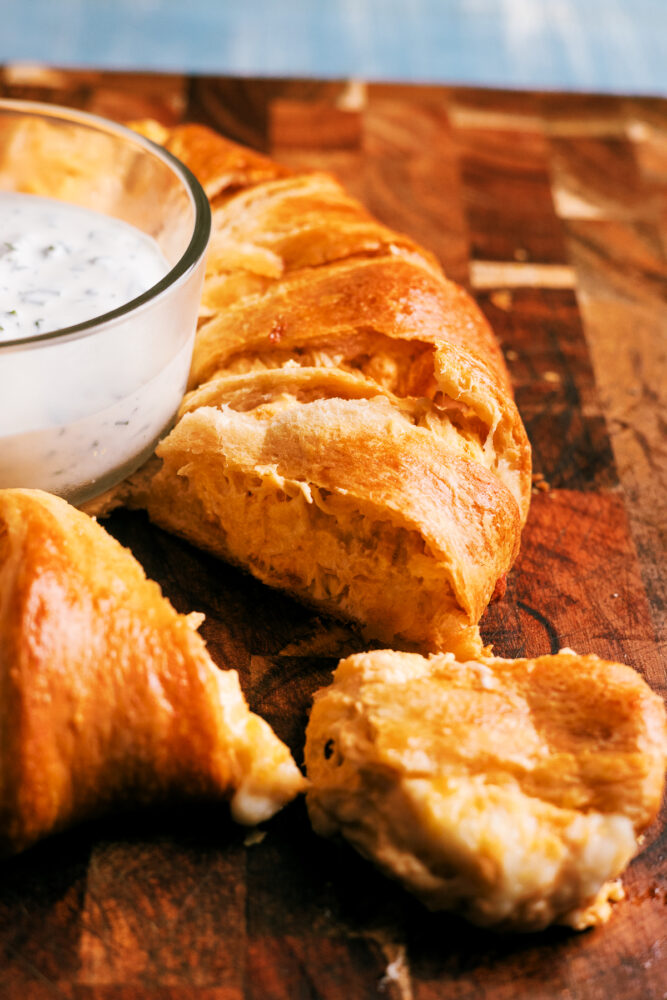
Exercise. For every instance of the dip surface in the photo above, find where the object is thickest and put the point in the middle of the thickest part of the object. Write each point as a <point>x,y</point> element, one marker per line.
<point>61,264</point>
<point>80,412</point>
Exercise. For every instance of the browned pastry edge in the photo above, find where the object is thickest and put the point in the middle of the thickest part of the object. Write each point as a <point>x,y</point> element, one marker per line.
<point>108,697</point>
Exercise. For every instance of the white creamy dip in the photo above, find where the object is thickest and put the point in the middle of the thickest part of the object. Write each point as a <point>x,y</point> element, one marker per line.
<point>78,409</point>
<point>61,264</point>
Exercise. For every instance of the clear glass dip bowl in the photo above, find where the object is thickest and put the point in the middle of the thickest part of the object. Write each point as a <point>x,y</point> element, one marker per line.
<point>82,407</point>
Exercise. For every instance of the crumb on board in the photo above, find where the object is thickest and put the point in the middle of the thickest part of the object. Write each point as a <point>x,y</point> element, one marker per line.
<point>540,485</point>
<point>599,910</point>
<point>502,299</point>
<point>397,972</point>
<point>254,836</point>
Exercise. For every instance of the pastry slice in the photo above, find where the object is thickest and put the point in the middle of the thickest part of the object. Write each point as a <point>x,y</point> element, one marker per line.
<point>512,791</point>
<point>348,505</point>
<point>350,434</point>
<point>108,697</point>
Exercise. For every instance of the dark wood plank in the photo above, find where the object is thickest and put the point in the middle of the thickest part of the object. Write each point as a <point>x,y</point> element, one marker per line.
<point>597,178</point>
<point>577,583</point>
<point>41,897</point>
<point>291,968</point>
<point>412,177</point>
<point>313,125</point>
<point>241,109</point>
<point>507,196</point>
<point>542,337</point>
<point>622,279</point>
<point>158,907</point>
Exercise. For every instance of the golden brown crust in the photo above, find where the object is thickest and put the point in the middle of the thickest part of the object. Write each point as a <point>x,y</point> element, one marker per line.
<point>353,366</point>
<point>218,166</point>
<point>511,790</point>
<point>343,307</point>
<point>108,696</point>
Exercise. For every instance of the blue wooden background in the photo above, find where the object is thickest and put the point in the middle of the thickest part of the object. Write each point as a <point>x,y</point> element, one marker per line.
<point>617,46</point>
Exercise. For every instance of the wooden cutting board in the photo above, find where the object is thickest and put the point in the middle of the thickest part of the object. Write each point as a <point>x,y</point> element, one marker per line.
<point>553,210</point>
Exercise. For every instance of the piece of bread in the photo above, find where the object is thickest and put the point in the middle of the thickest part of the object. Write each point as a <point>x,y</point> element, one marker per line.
<point>350,433</point>
<point>512,791</point>
<point>108,697</point>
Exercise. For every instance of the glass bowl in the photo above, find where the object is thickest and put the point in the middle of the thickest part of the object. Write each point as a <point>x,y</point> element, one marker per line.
<point>83,406</point>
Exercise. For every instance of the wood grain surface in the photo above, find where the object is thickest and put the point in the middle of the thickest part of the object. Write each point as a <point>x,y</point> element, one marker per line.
<point>552,209</point>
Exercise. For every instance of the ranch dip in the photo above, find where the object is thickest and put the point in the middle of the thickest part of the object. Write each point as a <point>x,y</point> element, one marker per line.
<point>77,410</point>
<point>61,264</point>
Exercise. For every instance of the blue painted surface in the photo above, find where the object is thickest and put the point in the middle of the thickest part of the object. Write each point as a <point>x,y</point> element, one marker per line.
<point>617,46</point>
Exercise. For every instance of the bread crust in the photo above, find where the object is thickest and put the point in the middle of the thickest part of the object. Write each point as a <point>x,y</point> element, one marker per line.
<point>108,697</point>
<point>332,352</point>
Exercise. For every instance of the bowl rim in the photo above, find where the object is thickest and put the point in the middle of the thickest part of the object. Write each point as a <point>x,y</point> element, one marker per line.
<point>196,248</point>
